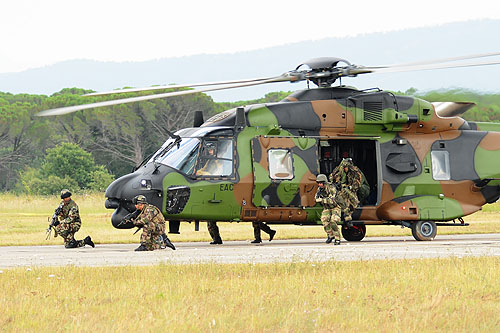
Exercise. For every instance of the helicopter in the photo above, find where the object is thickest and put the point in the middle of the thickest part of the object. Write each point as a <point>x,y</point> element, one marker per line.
<point>425,165</point>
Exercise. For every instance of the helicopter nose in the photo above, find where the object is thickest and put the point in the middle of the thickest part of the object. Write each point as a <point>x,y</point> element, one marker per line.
<point>119,196</point>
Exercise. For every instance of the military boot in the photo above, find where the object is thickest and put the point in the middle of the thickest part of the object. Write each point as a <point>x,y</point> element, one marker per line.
<point>256,241</point>
<point>88,241</point>
<point>141,247</point>
<point>271,234</point>
<point>337,242</point>
<point>167,242</point>
<point>329,240</point>
<point>71,245</point>
<point>217,240</point>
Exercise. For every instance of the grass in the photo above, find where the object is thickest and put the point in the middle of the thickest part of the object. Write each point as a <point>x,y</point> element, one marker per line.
<point>23,221</point>
<point>384,296</point>
<point>453,294</point>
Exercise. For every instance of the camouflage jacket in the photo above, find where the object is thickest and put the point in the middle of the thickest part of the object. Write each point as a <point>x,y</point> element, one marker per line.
<point>328,196</point>
<point>353,178</point>
<point>151,219</point>
<point>69,213</point>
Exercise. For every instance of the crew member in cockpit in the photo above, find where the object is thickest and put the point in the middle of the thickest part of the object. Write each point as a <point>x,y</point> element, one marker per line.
<point>216,159</point>
<point>212,166</point>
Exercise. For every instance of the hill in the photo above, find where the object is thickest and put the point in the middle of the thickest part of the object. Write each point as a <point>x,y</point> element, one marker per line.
<point>461,38</point>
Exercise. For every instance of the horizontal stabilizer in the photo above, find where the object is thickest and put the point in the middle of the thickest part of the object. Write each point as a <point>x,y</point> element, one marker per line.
<point>452,109</point>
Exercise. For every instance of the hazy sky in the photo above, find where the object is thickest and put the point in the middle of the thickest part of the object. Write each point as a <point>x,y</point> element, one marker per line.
<point>42,32</point>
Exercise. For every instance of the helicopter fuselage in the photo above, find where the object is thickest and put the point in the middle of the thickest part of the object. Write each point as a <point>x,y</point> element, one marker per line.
<point>259,163</point>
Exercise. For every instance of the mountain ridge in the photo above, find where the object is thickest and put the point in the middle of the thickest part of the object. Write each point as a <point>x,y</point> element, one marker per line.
<point>371,49</point>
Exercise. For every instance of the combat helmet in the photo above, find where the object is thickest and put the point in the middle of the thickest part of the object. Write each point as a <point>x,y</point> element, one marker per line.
<point>139,199</point>
<point>321,178</point>
<point>65,193</point>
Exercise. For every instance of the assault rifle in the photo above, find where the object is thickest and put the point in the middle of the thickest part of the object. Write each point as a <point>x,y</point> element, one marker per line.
<point>54,221</point>
<point>129,218</point>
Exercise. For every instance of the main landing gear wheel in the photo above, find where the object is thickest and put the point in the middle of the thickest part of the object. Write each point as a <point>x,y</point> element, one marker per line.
<point>355,233</point>
<point>424,230</point>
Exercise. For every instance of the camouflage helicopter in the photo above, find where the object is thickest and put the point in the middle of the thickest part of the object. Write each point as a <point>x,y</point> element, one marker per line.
<point>425,165</point>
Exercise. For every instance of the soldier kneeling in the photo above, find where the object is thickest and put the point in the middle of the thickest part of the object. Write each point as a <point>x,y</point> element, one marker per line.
<point>67,222</point>
<point>152,222</point>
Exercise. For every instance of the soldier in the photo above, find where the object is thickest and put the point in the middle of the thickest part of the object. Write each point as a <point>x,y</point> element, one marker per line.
<point>69,222</point>
<point>332,208</point>
<point>213,230</point>
<point>352,186</point>
<point>152,222</point>
<point>257,227</point>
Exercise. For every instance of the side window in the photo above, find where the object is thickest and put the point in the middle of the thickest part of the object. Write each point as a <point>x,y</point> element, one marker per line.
<point>280,164</point>
<point>440,165</point>
<point>216,158</point>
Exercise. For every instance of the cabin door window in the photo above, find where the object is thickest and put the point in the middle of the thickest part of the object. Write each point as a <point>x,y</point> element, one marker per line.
<point>440,165</point>
<point>280,164</point>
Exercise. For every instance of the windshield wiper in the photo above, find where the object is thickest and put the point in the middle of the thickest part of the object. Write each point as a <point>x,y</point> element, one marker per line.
<point>177,141</point>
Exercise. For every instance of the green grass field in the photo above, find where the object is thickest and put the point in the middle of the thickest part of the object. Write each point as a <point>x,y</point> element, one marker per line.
<point>24,219</point>
<point>455,294</point>
<point>451,295</point>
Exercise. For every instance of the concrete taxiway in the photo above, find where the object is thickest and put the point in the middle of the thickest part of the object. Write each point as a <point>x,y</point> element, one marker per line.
<point>371,248</point>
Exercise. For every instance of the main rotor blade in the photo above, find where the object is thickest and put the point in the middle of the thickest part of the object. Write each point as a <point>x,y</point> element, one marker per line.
<point>191,85</point>
<point>429,67</point>
<point>70,109</point>
<point>441,60</point>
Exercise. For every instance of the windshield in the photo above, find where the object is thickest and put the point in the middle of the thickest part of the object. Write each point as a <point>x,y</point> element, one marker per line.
<point>182,156</point>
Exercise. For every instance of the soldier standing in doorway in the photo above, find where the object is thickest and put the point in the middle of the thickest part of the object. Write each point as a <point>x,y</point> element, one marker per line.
<point>352,186</point>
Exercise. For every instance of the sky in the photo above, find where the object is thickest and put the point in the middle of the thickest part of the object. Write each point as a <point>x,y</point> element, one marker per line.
<point>37,33</point>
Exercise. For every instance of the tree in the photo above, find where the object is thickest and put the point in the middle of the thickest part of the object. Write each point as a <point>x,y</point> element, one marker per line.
<point>66,165</point>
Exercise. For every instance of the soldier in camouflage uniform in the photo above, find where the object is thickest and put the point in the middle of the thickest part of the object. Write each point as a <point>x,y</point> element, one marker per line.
<point>152,222</point>
<point>257,227</point>
<point>69,222</point>
<point>352,186</point>
<point>213,230</point>
<point>332,208</point>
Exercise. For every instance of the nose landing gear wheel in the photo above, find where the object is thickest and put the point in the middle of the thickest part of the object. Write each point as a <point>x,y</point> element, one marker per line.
<point>424,230</point>
<point>354,233</point>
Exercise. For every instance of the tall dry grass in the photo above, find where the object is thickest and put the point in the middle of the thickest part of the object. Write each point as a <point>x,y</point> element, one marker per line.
<point>452,295</point>
<point>23,221</point>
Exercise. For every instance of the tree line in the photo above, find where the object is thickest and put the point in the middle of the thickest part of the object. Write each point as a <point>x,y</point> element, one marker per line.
<point>88,149</point>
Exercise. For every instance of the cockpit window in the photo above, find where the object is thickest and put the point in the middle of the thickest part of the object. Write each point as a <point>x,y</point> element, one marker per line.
<point>191,152</point>
<point>182,157</point>
<point>216,158</point>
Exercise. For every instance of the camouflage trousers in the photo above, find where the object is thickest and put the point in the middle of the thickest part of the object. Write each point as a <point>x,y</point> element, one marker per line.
<point>329,219</point>
<point>213,230</point>
<point>67,231</point>
<point>352,202</point>
<point>152,238</point>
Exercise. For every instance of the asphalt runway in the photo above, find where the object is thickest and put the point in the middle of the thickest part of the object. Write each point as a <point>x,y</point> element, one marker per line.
<point>371,248</point>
